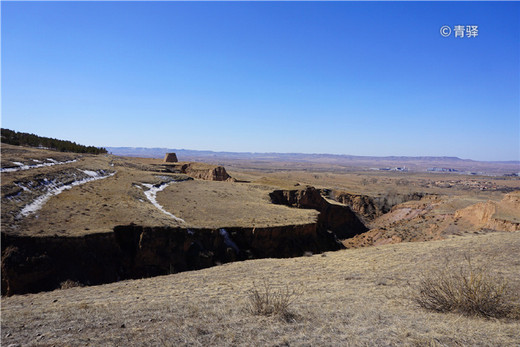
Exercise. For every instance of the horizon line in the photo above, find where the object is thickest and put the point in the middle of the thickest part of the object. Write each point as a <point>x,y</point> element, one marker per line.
<point>517,161</point>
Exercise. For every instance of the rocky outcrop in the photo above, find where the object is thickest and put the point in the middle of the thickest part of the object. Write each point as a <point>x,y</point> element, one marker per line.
<point>33,264</point>
<point>480,213</point>
<point>333,217</point>
<point>365,206</point>
<point>373,237</point>
<point>502,215</point>
<point>206,172</point>
<point>513,199</point>
<point>369,207</point>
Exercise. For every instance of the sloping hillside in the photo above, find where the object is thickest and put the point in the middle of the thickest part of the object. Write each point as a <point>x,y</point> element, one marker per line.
<point>355,297</point>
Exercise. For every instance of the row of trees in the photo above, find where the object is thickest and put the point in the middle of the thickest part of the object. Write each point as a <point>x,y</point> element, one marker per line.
<point>24,139</point>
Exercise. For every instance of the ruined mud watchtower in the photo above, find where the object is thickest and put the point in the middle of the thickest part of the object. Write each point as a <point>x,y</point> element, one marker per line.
<point>170,158</point>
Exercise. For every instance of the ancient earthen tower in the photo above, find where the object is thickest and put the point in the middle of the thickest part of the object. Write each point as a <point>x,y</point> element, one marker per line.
<point>170,158</point>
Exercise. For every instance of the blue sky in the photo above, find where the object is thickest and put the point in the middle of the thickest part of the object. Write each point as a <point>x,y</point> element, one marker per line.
<point>361,78</point>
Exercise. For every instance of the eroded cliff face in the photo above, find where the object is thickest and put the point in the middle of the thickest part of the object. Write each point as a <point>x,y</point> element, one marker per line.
<point>33,264</point>
<point>495,215</point>
<point>206,172</point>
<point>339,219</point>
<point>368,207</point>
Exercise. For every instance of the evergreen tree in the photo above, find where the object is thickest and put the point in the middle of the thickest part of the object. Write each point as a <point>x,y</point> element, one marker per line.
<point>24,139</point>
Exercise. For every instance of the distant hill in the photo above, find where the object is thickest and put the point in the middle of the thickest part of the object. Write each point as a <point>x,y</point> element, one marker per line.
<point>31,140</point>
<point>159,152</point>
<point>326,161</point>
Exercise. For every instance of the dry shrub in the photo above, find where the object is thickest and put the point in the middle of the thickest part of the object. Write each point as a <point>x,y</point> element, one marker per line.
<point>268,301</point>
<point>469,290</point>
<point>70,284</point>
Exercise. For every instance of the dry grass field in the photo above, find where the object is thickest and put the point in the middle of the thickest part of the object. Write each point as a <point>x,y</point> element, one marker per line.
<point>209,204</point>
<point>386,182</point>
<point>360,297</point>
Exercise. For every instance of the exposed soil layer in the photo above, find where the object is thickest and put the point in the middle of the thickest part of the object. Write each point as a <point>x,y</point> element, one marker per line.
<point>437,217</point>
<point>371,207</point>
<point>339,219</point>
<point>498,215</point>
<point>206,172</point>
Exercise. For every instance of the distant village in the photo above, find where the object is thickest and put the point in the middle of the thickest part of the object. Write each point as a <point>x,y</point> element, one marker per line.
<point>444,170</point>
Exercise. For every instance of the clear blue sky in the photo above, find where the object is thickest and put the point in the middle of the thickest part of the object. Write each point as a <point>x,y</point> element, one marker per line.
<point>362,78</point>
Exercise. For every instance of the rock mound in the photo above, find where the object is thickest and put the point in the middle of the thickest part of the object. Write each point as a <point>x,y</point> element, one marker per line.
<point>206,172</point>
<point>503,215</point>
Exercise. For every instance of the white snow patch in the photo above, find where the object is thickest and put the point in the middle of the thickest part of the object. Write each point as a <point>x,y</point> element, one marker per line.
<point>90,173</point>
<point>24,188</point>
<point>55,189</point>
<point>228,241</point>
<point>22,166</point>
<point>151,194</point>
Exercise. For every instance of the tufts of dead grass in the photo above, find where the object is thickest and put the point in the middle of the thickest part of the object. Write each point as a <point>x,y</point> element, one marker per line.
<point>470,290</point>
<point>67,284</point>
<point>268,301</point>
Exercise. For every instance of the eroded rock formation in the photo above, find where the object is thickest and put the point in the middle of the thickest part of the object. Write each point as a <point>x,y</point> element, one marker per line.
<point>369,207</point>
<point>334,217</point>
<point>206,172</point>
<point>502,215</point>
